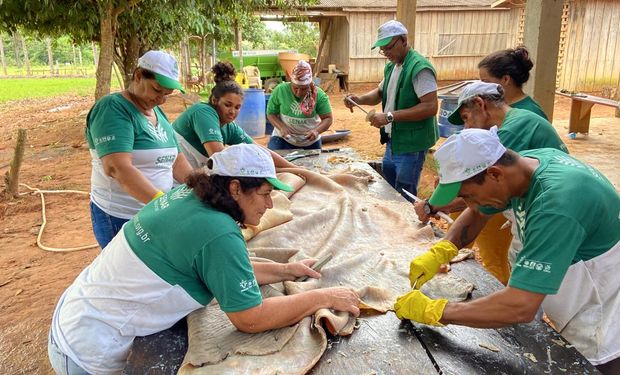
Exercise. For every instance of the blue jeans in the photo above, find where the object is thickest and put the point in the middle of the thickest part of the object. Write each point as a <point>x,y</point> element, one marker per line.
<point>61,363</point>
<point>278,143</point>
<point>105,226</point>
<point>403,171</point>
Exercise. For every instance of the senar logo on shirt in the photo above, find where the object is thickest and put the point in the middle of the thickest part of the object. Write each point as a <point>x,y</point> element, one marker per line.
<point>247,284</point>
<point>165,159</point>
<point>534,265</point>
<point>104,139</point>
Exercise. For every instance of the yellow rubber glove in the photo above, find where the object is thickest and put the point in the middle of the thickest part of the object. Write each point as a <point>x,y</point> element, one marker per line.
<point>418,307</point>
<point>422,268</point>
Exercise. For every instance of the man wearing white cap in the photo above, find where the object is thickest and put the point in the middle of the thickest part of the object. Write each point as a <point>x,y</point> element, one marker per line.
<point>408,95</point>
<point>135,154</point>
<point>176,255</point>
<point>568,217</point>
<point>482,105</point>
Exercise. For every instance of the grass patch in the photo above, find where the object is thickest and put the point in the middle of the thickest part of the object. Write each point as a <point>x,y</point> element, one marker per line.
<point>28,88</point>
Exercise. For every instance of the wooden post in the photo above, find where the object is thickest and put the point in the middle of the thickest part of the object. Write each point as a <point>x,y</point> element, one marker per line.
<point>11,178</point>
<point>405,13</point>
<point>543,21</point>
<point>319,57</point>
<point>618,98</point>
<point>238,42</point>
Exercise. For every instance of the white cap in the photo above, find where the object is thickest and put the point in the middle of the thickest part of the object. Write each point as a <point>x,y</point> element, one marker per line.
<point>246,160</point>
<point>473,89</point>
<point>387,31</point>
<point>461,156</point>
<point>165,68</point>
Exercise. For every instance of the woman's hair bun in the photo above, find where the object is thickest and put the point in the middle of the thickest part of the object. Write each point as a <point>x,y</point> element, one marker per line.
<point>223,71</point>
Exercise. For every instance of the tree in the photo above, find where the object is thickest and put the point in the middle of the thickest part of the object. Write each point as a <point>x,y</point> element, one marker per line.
<point>125,29</point>
<point>2,54</point>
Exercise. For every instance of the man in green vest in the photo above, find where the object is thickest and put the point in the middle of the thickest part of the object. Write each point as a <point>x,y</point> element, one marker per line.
<point>408,97</point>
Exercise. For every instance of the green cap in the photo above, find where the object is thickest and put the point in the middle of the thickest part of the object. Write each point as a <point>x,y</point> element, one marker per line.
<point>445,193</point>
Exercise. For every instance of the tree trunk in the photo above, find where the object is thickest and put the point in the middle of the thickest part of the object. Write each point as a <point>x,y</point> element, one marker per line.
<point>106,56</point>
<point>50,54</point>
<point>18,61</point>
<point>26,58</point>
<point>2,55</point>
<point>74,55</point>
<point>12,176</point>
<point>95,54</point>
<point>618,98</point>
<point>126,57</point>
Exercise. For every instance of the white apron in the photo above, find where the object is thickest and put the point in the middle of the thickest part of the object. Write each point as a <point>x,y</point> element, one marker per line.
<point>515,245</point>
<point>195,158</point>
<point>586,309</point>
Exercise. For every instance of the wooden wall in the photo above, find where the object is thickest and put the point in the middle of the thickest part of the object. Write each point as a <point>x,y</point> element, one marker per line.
<point>454,41</point>
<point>591,59</point>
<point>366,65</point>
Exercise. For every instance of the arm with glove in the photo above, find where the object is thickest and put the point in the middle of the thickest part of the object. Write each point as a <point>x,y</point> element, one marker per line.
<point>415,305</point>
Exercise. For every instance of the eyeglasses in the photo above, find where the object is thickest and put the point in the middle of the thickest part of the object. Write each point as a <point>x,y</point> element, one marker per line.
<point>387,48</point>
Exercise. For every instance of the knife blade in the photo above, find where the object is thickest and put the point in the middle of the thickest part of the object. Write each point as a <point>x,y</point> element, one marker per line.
<point>442,215</point>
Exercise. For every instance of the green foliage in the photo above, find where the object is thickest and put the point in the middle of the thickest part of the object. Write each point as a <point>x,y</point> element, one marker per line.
<point>25,88</point>
<point>300,36</point>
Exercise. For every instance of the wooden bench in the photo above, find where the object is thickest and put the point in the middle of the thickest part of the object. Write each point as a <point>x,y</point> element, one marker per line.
<point>581,109</point>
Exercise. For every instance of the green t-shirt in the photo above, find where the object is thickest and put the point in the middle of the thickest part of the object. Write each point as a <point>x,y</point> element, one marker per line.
<point>570,212</point>
<point>284,103</point>
<point>524,130</point>
<point>200,123</point>
<point>115,125</point>
<point>529,104</point>
<point>204,251</point>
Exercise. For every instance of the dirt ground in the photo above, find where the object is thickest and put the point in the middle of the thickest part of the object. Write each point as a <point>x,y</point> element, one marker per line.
<point>56,158</point>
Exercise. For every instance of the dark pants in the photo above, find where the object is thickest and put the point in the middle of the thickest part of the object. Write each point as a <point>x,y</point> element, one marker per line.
<point>278,143</point>
<point>610,368</point>
<point>403,171</point>
<point>105,226</point>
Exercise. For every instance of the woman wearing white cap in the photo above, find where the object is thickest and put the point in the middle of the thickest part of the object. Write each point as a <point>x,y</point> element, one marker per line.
<point>135,155</point>
<point>205,128</point>
<point>299,112</point>
<point>153,273</point>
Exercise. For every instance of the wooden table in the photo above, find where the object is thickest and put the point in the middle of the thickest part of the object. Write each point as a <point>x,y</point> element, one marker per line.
<point>385,345</point>
<point>581,110</point>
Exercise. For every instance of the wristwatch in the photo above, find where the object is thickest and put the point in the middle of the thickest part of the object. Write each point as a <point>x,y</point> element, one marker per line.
<point>428,209</point>
<point>389,116</point>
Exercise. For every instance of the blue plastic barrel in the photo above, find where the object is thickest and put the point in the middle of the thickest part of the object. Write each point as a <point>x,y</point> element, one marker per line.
<point>268,125</point>
<point>446,128</point>
<point>252,113</point>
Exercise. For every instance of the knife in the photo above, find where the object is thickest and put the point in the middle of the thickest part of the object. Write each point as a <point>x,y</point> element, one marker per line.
<point>442,215</point>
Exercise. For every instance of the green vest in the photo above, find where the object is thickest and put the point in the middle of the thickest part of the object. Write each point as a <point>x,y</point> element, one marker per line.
<point>409,136</point>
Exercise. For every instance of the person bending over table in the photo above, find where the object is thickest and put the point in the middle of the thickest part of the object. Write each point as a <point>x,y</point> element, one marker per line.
<point>153,273</point>
<point>483,105</point>
<point>568,218</point>
<point>135,156</point>
<point>206,128</point>
<point>299,112</point>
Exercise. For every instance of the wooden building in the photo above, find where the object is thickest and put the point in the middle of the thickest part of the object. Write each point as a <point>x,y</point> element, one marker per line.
<point>455,34</point>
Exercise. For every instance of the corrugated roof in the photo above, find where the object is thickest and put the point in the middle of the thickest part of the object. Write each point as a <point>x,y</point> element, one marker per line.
<point>392,3</point>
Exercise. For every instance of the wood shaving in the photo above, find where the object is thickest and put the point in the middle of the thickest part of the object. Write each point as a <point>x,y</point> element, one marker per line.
<point>531,357</point>
<point>490,347</point>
